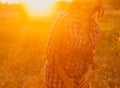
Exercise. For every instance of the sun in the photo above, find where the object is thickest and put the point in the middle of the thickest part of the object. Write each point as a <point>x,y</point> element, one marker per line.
<point>38,6</point>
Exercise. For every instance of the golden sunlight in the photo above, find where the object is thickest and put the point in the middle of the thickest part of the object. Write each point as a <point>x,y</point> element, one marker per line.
<point>38,6</point>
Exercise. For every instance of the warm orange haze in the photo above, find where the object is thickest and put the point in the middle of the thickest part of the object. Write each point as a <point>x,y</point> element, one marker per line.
<point>24,29</point>
<point>36,7</point>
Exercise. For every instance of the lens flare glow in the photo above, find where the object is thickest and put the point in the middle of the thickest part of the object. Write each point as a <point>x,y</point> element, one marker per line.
<point>38,6</point>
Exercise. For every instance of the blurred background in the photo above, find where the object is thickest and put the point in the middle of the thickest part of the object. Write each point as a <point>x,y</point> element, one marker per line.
<point>24,29</point>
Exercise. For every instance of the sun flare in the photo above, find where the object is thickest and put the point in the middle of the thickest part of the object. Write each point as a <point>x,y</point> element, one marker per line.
<point>38,6</point>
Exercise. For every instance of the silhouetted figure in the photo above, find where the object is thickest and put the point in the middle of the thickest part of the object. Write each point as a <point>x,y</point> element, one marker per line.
<point>71,45</point>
